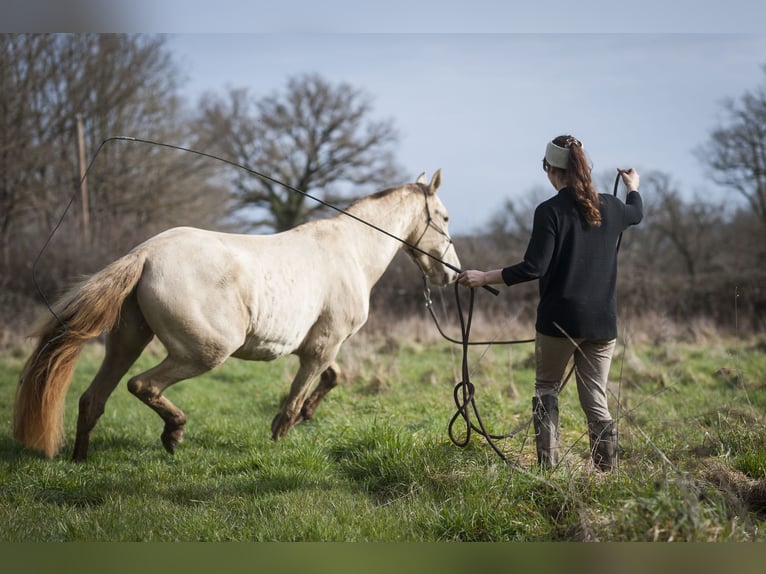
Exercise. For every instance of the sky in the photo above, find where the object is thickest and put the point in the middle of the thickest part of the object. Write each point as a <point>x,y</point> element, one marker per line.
<point>482,106</point>
<point>478,88</point>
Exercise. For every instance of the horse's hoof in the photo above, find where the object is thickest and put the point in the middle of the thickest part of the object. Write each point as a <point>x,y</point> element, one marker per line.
<point>277,434</point>
<point>80,453</point>
<point>171,439</point>
<point>279,427</point>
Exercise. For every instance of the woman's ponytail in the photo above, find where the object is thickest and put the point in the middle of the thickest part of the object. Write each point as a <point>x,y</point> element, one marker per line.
<point>577,174</point>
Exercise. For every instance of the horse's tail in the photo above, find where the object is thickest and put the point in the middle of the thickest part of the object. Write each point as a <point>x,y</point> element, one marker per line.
<point>88,311</point>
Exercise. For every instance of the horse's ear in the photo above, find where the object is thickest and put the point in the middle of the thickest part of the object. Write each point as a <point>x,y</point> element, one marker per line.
<point>436,181</point>
<point>421,178</point>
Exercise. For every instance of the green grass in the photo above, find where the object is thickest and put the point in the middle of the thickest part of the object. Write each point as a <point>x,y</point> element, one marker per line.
<point>376,463</point>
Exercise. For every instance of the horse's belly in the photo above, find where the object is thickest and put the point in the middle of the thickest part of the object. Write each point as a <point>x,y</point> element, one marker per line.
<point>263,350</point>
<point>268,339</point>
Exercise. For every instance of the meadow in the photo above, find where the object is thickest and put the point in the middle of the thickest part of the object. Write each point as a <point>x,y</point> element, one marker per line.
<point>376,463</point>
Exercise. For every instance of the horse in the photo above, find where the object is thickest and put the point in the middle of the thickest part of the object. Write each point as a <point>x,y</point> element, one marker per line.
<point>207,296</point>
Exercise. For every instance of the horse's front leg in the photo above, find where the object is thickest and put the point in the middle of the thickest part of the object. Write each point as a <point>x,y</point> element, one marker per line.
<point>327,382</point>
<point>291,412</point>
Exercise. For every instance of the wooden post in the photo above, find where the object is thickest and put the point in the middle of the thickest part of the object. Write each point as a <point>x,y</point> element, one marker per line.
<point>83,183</point>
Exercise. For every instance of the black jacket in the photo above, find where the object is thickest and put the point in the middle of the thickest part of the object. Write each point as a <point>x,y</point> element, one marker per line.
<point>576,265</point>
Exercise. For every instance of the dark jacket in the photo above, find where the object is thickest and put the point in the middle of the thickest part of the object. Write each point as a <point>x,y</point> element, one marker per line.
<point>576,265</point>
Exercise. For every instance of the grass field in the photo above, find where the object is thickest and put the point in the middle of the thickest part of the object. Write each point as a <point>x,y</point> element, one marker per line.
<point>376,463</point>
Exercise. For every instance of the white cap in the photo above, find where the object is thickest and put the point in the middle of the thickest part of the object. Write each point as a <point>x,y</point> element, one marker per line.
<point>557,156</point>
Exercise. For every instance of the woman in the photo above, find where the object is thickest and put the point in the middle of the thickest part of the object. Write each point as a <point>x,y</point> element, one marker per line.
<point>573,252</point>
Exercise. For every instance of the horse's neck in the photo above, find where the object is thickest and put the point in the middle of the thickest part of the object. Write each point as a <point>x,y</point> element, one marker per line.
<point>392,213</point>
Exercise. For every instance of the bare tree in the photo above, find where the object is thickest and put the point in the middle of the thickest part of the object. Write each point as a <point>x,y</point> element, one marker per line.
<point>129,87</point>
<point>685,225</point>
<point>24,64</point>
<point>514,219</point>
<point>120,85</point>
<point>316,137</point>
<point>736,152</point>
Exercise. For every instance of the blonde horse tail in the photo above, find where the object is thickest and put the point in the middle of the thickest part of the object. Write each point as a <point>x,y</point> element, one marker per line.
<point>88,311</point>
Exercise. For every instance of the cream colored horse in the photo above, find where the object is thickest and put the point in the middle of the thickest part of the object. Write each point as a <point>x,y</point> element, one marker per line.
<point>208,296</point>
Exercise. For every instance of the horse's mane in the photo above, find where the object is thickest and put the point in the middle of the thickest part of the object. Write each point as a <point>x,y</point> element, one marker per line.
<point>381,194</point>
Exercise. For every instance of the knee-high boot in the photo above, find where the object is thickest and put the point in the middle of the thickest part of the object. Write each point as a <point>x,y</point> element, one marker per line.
<point>545,416</point>
<point>603,444</point>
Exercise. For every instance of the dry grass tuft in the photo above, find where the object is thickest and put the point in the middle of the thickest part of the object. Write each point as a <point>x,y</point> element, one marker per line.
<point>749,491</point>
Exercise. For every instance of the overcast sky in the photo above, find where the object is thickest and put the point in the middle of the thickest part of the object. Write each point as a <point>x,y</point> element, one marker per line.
<point>478,88</point>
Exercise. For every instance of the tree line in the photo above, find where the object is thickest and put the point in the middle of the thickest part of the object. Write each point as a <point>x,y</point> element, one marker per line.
<point>61,96</point>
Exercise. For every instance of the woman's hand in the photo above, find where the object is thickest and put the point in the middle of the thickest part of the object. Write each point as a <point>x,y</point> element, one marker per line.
<point>629,178</point>
<point>472,278</point>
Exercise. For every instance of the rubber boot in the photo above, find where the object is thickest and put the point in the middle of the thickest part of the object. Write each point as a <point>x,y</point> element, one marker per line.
<point>603,444</point>
<point>545,416</point>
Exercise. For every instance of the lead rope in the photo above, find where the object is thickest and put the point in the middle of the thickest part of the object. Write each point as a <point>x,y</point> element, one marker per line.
<point>463,393</point>
<point>429,306</point>
<point>466,389</point>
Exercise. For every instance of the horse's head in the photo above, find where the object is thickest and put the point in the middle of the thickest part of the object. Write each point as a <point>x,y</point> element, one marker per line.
<point>431,236</point>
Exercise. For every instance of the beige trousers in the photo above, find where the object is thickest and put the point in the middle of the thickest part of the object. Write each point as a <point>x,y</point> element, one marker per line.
<point>592,359</point>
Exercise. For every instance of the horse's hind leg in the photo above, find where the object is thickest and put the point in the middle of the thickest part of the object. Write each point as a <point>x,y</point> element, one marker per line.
<point>327,382</point>
<point>149,387</point>
<point>124,344</point>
